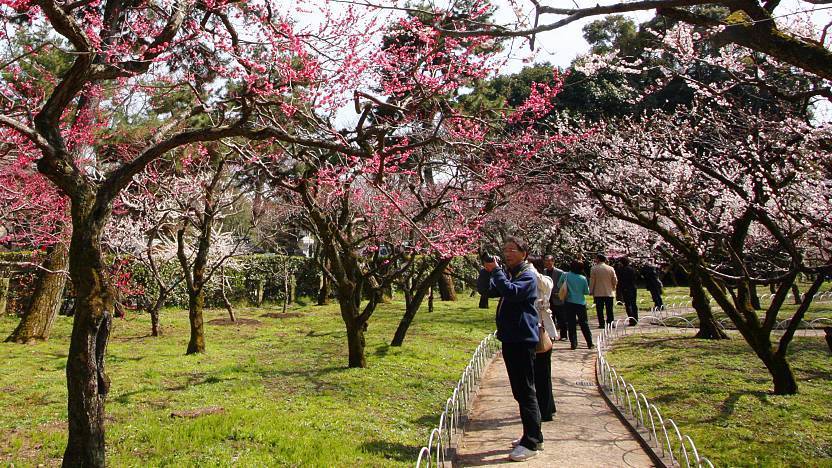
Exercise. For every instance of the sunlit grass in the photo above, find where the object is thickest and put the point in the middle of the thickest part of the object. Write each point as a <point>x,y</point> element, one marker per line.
<point>287,396</point>
<point>719,394</point>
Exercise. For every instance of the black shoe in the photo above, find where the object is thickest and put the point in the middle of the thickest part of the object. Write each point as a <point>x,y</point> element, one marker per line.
<point>591,346</point>
<point>574,346</point>
<point>563,338</point>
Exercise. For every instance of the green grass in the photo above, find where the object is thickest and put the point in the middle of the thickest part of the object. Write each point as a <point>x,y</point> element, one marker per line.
<point>681,294</point>
<point>718,392</point>
<point>288,397</point>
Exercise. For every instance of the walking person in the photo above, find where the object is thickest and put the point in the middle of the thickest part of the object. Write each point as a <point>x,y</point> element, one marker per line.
<point>602,283</point>
<point>555,304</point>
<point>543,360</point>
<point>629,292</point>
<point>517,323</point>
<point>575,303</point>
<point>650,273</point>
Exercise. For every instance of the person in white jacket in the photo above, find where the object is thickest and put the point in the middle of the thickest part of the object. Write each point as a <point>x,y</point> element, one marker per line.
<point>543,361</point>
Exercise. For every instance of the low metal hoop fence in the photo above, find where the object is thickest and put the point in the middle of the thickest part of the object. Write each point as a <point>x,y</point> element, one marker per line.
<point>663,435</point>
<point>443,438</point>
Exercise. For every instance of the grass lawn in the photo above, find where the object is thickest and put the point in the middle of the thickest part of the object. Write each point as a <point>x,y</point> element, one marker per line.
<point>287,396</point>
<point>818,309</point>
<point>718,393</point>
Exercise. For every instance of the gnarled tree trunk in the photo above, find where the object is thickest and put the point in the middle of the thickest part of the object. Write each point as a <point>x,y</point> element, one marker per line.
<point>87,383</point>
<point>447,292</point>
<point>196,304</point>
<point>45,303</point>
<point>709,329</point>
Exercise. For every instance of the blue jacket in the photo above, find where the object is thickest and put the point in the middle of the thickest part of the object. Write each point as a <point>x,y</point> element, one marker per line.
<point>517,317</point>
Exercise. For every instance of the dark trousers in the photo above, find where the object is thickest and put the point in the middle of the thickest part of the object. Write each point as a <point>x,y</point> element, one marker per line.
<point>600,303</point>
<point>630,303</point>
<point>519,359</point>
<point>657,297</point>
<point>576,313</point>
<point>560,317</point>
<point>543,385</point>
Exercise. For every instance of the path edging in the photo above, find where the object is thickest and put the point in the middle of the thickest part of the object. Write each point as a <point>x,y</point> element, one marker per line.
<point>619,396</point>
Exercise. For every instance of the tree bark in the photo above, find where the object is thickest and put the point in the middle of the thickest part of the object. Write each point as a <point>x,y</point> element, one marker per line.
<point>410,310</point>
<point>446,287</point>
<point>323,291</point>
<point>225,300</point>
<point>87,383</point>
<point>796,294</point>
<point>778,367</point>
<point>413,298</point>
<point>154,319</point>
<point>196,303</point>
<point>709,329</point>
<point>754,297</point>
<point>45,303</point>
<point>4,294</point>
<point>355,338</point>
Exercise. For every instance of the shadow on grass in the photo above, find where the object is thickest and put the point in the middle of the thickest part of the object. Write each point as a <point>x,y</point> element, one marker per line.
<point>193,381</point>
<point>729,406</point>
<point>382,350</point>
<point>393,451</point>
<point>319,379</point>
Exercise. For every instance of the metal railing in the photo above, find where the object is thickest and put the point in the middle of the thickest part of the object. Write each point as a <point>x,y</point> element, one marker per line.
<point>444,437</point>
<point>663,435</point>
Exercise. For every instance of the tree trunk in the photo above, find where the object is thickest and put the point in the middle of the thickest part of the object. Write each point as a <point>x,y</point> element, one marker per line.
<point>410,309</point>
<point>778,367</point>
<point>196,302</point>
<point>87,383</point>
<point>446,287</point>
<point>754,297</point>
<point>154,321</point>
<point>46,300</point>
<point>796,294</point>
<point>356,343</point>
<point>430,301</point>
<point>259,294</point>
<point>4,294</point>
<point>709,329</point>
<point>323,291</point>
<point>225,300</point>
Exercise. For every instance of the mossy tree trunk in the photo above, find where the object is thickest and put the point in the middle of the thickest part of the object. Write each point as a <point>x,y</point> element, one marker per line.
<point>447,292</point>
<point>87,383</point>
<point>43,307</point>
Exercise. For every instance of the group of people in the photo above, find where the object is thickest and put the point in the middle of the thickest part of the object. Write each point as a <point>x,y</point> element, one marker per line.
<point>532,292</point>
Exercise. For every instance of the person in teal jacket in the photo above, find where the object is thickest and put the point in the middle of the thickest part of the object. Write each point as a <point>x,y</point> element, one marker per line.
<point>575,303</point>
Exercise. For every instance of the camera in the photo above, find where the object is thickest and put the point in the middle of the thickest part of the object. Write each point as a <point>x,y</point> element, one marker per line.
<point>489,258</point>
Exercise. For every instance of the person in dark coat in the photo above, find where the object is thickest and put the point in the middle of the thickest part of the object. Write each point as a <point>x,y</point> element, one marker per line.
<point>627,281</point>
<point>650,273</point>
<point>517,321</point>
<point>554,301</point>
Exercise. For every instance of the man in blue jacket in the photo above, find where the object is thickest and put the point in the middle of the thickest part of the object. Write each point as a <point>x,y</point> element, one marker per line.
<point>517,320</point>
